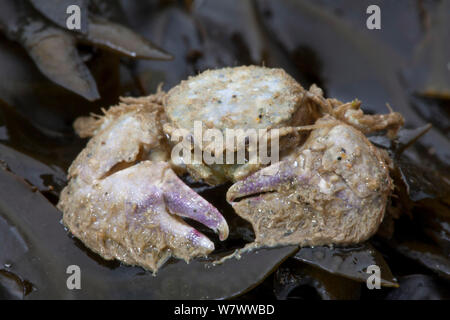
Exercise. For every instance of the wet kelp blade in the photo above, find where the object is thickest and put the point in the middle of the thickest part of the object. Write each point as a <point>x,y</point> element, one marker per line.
<point>419,287</point>
<point>51,48</point>
<point>12,287</point>
<point>232,19</point>
<point>119,39</point>
<point>434,216</point>
<point>234,275</point>
<point>348,262</point>
<point>293,280</point>
<point>175,30</point>
<point>35,172</point>
<point>421,182</point>
<point>43,251</point>
<point>429,73</point>
<point>55,54</point>
<point>427,255</point>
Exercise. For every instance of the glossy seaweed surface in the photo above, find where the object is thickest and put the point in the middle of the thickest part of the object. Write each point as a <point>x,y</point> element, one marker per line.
<point>326,42</point>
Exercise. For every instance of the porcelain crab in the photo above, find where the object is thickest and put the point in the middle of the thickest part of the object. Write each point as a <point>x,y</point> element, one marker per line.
<point>331,185</point>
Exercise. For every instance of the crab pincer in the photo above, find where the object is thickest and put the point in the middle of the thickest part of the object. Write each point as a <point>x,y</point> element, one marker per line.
<point>331,190</point>
<point>123,199</point>
<point>183,201</point>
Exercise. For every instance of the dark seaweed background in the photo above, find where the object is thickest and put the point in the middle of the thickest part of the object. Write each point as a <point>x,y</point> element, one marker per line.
<point>405,64</point>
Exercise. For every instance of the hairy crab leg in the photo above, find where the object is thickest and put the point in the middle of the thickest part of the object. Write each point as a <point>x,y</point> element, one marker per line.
<point>351,114</point>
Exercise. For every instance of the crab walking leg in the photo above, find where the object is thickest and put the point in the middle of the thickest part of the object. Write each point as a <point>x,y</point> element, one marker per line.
<point>183,201</point>
<point>351,114</point>
<point>332,190</point>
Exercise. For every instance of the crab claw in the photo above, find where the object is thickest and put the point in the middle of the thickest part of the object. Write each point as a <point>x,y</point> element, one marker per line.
<point>130,216</point>
<point>266,180</point>
<point>183,201</point>
<point>332,190</point>
<point>125,202</point>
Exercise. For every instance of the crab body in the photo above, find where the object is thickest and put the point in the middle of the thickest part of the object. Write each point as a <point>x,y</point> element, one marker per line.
<point>245,98</point>
<point>125,201</point>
